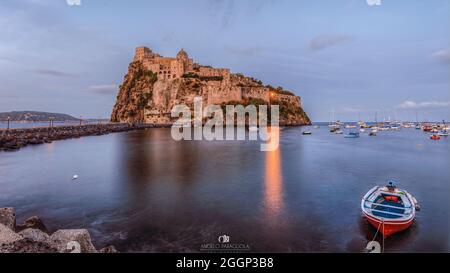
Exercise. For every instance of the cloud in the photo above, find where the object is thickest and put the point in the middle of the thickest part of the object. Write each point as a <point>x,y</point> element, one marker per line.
<point>442,56</point>
<point>5,59</point>
<point>227,11</point>
<point>244,52</point>
<point>223,10</point>
<point>423,105</point>
<point>324,41</point>
<point>103,88</point>
<point>50,72</point>
<point>352,110</point>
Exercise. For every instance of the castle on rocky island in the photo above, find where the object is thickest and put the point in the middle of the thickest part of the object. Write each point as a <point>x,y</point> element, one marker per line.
<point>154,84</point>
<point>172,68</point>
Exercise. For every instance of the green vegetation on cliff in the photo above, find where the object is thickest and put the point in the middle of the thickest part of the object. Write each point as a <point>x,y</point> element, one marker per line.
<point>135,93</point>
<point>289,113</point>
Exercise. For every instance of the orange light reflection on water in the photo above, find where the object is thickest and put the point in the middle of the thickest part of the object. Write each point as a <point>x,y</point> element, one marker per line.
<point>273,193</point>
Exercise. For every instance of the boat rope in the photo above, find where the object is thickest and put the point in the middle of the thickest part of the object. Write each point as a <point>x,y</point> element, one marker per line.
<point>376,233</point>
<point>382,233</point>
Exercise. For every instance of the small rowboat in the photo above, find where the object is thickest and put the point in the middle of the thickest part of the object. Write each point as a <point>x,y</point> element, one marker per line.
<point>435,137</point>
<point>306,133</point>
<point>389,209</point>
<point>352,135</point>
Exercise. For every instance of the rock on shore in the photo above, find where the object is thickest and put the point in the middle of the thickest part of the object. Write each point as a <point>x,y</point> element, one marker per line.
<point>32,237</point>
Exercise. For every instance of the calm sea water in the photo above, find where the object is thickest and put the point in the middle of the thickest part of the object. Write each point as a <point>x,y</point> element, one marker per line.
<point>142,191</point>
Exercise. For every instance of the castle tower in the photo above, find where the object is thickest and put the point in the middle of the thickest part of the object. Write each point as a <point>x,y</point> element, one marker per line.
<point>187,63</point>
<point>182,55</point>
<point>142,52</point>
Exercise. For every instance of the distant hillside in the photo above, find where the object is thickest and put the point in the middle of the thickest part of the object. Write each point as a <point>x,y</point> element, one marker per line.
<point>35,116</point>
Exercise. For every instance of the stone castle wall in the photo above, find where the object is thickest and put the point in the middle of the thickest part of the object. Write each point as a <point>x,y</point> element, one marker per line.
<point>294,100</point>
<point>165,67</point>
<point>219,95</point>
<point>213,72</point>
<point>256,92</point>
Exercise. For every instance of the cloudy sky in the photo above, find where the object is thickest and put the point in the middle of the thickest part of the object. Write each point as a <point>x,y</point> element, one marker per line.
<point>338,55</point>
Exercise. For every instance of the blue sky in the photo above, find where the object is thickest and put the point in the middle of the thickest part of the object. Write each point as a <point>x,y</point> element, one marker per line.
<point>338,55</point>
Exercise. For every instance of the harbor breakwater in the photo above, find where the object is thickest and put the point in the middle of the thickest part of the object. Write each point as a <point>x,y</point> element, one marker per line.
<point>14,139</point>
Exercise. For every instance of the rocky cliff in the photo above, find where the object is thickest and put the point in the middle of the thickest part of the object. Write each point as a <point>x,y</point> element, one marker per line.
<point>146,96</point>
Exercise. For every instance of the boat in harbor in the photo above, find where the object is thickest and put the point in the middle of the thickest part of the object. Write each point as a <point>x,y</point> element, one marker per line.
<point>427,128</point>
<point>443,130</point>
<point>352,135</point>
<point>435,137</point>
<point>306,133</point>
<point>350,126</point>
<point>338,132</point>
<point>362,124</point>
<point>417,126</point>
<point>373,132</point>
<point>334,129</point>
<point>384,126</point>
<point>395,127</point>
<point>389,209</point>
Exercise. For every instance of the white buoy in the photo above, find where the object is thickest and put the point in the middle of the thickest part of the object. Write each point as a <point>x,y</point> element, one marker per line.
<point>75,177</point>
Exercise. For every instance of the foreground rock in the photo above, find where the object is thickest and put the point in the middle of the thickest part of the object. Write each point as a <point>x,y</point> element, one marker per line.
<point>8,217</point>
<point>27,246</point>
<point>32,223</point>
<point>35,239</point>
<point>17,138</point>
<point>35,235</point>
<point>7,235</point>
<point>63,240</point>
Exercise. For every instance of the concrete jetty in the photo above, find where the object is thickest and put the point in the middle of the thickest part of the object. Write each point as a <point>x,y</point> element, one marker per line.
<point>14,139</point>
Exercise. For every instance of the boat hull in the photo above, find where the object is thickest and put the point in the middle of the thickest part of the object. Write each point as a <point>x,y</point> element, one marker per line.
<point>387,216</point>
<point>388,228</point>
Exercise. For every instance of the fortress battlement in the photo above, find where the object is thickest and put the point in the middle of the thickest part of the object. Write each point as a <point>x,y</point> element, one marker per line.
<point>175,67</point>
